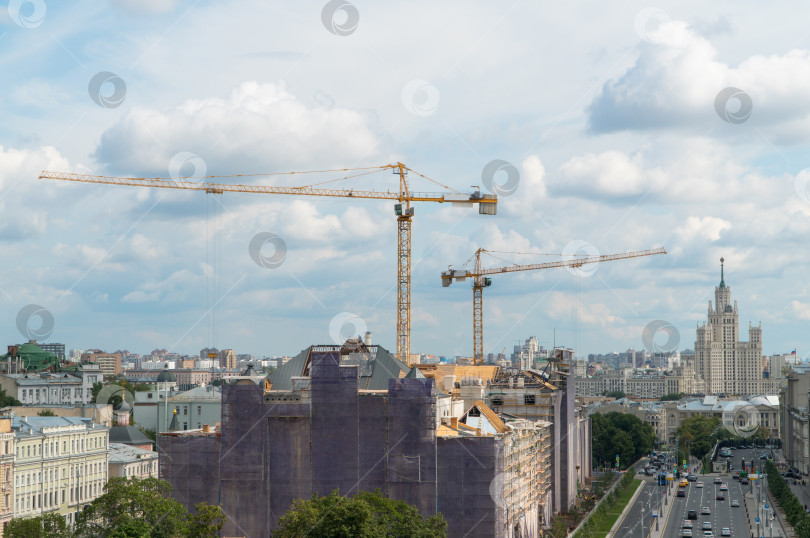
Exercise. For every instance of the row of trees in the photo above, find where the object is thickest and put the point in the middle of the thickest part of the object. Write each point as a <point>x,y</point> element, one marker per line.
<point>793,509</point>
<point>143,508</point>
<point>605,514</point>
<point>699,434</point>
<point>620,434</point>
<point>128,508</point>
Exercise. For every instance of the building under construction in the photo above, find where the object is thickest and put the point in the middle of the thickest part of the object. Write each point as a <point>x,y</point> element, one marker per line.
<point>488,475</point>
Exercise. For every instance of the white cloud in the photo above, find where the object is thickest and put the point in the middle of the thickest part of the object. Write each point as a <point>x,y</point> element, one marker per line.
<point>705,228</point>
<point>258,128</point>
<point>675,83</point>
<point>802,310</point>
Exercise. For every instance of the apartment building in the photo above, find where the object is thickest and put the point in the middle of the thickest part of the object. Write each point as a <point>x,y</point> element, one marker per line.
<point>60,465</point>
<point>47,388</point>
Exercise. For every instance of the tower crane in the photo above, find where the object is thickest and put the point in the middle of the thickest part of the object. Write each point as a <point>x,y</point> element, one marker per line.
<point>481,281</point>
<point>487,205</point>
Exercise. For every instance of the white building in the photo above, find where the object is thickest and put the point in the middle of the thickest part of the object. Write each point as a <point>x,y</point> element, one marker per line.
<point>127,461</point>
<point>47,388</point>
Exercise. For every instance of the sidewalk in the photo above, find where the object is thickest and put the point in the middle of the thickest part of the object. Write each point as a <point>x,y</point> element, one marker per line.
<point>664,515</point>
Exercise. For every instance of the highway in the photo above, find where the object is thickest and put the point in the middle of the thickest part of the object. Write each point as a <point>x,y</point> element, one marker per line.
<point>722,514</point>
<point>648,499</point>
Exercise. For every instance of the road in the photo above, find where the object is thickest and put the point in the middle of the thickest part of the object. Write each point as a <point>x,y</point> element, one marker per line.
<point>649,499</point>
<point>722,514</point>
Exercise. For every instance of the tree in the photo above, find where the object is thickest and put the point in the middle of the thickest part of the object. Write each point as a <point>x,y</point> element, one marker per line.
<point>46,413</point>
<point>638,439</point>
<point>6,400</point>
<point>365,514</point>
<point>46,526</point>
<point>143,507</point>
<point>96,389</point>
<point>672,397</point>
<point>615,394</point>
<point>559,528</point>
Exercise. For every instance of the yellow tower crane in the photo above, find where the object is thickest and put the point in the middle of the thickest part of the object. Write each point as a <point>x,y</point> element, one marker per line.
<point>487,205</point>
<point>481,281</point>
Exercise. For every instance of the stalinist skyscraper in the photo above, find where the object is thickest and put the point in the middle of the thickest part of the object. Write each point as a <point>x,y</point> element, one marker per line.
<point>727,365</point>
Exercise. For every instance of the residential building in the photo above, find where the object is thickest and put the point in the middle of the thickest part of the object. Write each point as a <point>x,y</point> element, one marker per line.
<point>60,465</point>
<point>727,364</point>
<point>56,349</point>
<point>46,388</point>
<point>227,359</point>
<point>109,363</point>
<point>7,451</point>
<point>795,433</point>
<point>195,407</point>
<point>128,461</point>
<point>191,378</point>
<point>99,413</point>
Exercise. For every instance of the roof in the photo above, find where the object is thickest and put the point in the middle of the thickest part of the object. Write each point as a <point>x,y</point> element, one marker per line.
<point>488,421</point>
<point>375,367</point>
<point>35,425</point>
<point>121,453</point>
<point>166,376</point>
<point>129,435</point>
<point>204,393</point>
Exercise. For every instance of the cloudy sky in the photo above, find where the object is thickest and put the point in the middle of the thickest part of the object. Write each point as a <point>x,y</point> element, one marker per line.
<point>684,125</point>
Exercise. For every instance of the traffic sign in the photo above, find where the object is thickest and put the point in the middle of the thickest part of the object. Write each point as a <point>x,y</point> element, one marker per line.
<point>766,507</point>
<point>756,520</point>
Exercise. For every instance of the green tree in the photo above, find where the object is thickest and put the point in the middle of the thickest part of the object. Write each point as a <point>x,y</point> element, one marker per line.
<point>6,400</point>
<point>46,413</point>
<point>365,515</point>
<point>47,526</point>
<point>638,440</point>
<point>615,394</point>
<point>559,528</point>
<point>143,508</point>
<point>672,397</point>
<point>96,389</point>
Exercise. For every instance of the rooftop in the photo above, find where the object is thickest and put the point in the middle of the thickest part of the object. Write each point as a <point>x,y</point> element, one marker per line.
<point>207,393</point>
<point>121,453</point>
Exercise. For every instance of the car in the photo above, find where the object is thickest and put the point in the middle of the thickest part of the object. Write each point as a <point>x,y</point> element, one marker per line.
<point>735,477</point>
<point>744,481</point>
<point>681,492</point>
<point>683,483</point>
<point>687,524</point>
<point>763,457</point>
<point>686,532</point>
<point>735,503</point>
<point>698,484</point>
<point>691,514</point>
<point>723,487</point>
<point>708,534</point>
<point>725,531</point>
<point>691,478</point>
<point>707,525</point>
<point>705,511</point>
<point>717,480</point>
<point>721,497</point>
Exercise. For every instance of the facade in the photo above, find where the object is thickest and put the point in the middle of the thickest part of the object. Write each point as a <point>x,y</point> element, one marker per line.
<point>127,461</point>
<point>56,349</point>
<point>795,433</point>
<point>191,378</point>
<point>47,388</point>
<point>7,451</point>
<point>195,408</point>
<point>109,363</point>
<point>60,465</point>
<point>531,397</point>
<point>727,364</point>
<point>323,432</point>
<point>100,413</point>
<point>227,359</point>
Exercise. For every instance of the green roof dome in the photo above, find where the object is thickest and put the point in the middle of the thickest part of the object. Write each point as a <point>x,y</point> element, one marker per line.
<point>166,376</point>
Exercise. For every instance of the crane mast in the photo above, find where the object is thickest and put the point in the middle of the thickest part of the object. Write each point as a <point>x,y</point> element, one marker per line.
<point>487,205</point>
<point>481,281</point>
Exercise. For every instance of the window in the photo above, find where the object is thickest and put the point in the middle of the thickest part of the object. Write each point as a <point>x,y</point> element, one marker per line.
<point>528,399</point>
<point>199,410</point>
<point>185,410</point>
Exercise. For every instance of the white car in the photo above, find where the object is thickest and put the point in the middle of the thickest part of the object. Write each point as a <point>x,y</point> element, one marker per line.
<point>723,487</point>
<point>705,511</point>
<point>698,484</point>
<point>708,534</point>
<point>725,531</point>
<point>686,532</point>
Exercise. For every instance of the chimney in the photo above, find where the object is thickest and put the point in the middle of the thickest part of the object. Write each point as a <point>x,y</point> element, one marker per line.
<point>206,428</point>
<point>454,422</point>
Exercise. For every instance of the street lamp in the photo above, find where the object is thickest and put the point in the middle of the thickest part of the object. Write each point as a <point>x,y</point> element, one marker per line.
<point>642,522</point>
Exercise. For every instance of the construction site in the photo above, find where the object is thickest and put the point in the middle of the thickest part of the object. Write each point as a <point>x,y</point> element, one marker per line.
<point>488,472</point>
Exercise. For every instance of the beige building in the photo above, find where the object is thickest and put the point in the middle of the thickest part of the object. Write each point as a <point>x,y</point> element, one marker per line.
<point>794,413</point>
<point>60,465</point>
<point>109,363</point>
<point>227,359</point>
<point>725,363</point>
<point>127,461</point>
<point>6,472</point>
<point>99,413</point>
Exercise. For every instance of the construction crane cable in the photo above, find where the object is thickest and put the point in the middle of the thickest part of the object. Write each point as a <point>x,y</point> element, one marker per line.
<point>339,179</point>
<point>432,180</point>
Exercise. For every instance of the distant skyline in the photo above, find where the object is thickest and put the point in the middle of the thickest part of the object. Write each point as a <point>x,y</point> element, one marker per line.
<point>620,127</point>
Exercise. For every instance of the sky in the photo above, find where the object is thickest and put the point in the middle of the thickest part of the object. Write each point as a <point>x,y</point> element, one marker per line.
<point>614,127</point>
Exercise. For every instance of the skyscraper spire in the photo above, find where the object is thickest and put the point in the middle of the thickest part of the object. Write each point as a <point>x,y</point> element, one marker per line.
<point>722,280</point>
